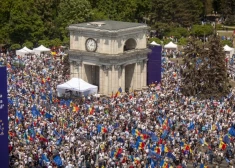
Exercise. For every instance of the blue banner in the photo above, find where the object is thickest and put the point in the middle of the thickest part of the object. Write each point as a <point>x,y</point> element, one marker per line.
<point>4,155</point>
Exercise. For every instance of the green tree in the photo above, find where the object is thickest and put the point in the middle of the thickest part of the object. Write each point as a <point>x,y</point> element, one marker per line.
<point>191,74</point>
<point>45,42</point>
<point>228,11</point>
<point>72,12</point>
<point>227,42</point>
<point>66,67</point>
<point>183,41</point>
<point>205,72</point>
<point>201,30</point>
<point>55,42</point>
<point>215,83</point>
<point>28,44</point>
<point>24,23</point>
<point>187,13</point>
<point>47,10</point>
<point>15,46</point>
<point>157,40</point>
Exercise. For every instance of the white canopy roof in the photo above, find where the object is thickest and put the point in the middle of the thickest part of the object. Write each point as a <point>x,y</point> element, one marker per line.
<point>41,48</point>
<point>27,49</point>
<point>77,85</point>
<point>227,48</point>
<point>154,43</point>
<point>22,52</point>
<point>170,45</point>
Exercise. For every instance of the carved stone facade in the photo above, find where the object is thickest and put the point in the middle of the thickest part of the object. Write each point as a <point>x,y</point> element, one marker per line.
<point>120,59</point>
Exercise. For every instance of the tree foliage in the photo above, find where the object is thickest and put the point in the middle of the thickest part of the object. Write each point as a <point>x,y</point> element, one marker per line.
<point>46,20</point>
<point>205,72</point>
<point>201,30</point>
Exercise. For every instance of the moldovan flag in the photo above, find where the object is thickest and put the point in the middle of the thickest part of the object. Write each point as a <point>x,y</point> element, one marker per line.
<point>222,145</point>
<point>91,110</point>
<point>118,92</point>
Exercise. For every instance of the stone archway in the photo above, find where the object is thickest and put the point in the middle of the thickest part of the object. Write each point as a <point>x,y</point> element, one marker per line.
<point>130,44</point>
<point>129,77</point>
<point>92,74</point>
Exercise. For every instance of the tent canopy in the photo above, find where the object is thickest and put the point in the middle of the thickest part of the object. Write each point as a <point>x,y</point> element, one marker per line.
<point>22,52</point>
<point>41,48</point>
<point>27,49</point>
<point>77,85</point>
<point>170,45</point>
<point>227,48</point>
<point>229,51</point>
<point>154,43</point>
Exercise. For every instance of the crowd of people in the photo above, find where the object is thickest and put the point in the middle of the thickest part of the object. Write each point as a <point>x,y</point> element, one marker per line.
<point>156,127</point>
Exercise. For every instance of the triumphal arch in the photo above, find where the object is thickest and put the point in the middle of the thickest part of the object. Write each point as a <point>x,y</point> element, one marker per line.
<point>109,54</point>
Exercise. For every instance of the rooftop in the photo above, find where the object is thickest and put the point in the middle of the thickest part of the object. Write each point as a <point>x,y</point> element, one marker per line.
<point>108,25</point>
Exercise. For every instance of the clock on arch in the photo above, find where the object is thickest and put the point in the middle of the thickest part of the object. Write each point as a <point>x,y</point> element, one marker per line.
<point>91,45</point>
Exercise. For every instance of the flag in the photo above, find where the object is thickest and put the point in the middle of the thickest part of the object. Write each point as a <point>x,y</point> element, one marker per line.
<point>118,92</point>
<point>140,145</point>
<point>58,142</point>
<point>19,115</point>
<point>164,134</point>
<point>10,101</point>
<point>104,130</point>
<point>154,138</point>
<point>232,131</point>
<point>165,124</point>
<point>35,111</point>
<point>30,138</point>
<point>32,133</point>
<point>222,145</point>
<point>142,137</point>
<point>101,129</point>
<point>163,164</point>
<point>47,115</point>
<point>160,120</point>
<point>91,110</point>
<point>42,138</point>
<point>57,160</point>
<point>191,126</point>
<point>157,149</point>
<point>135,132</point>
<point>137,161</point>
<point>226,139</point>
<point>118,152</point>
<point>56,133</point>
<point>203,166</point>
<point>170,155</point>
<point>44,158</point>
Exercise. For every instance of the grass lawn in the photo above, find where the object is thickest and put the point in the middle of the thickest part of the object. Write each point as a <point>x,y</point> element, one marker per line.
<point>180,60</point>
<point>227,34</point>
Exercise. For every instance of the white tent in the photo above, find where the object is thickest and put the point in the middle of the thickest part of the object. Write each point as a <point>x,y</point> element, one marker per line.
<point>229,51</point>
<point>41,49</point>
<point>154,43</point>
<point>76,85</point>
<point>171,45</point>
<point>22,52</point>
<point>27,49</point>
